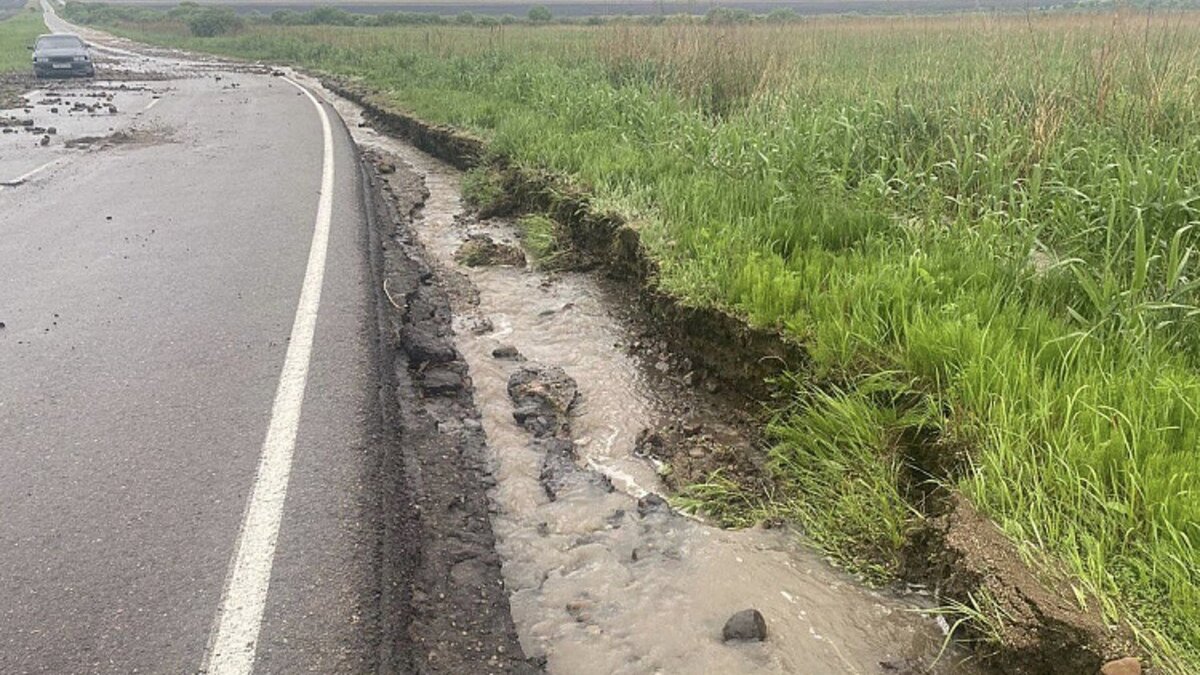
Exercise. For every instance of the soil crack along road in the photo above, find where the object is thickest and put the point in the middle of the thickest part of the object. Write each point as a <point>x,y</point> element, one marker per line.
<point>442,593</point>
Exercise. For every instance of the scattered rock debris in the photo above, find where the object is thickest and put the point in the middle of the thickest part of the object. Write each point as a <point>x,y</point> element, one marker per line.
<point>124,137</point>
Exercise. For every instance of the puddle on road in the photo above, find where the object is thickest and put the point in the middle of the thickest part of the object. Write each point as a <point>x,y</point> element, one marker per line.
<point>596,587</point>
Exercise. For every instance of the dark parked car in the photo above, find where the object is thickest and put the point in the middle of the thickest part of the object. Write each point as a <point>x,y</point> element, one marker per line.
<point>62,55</point>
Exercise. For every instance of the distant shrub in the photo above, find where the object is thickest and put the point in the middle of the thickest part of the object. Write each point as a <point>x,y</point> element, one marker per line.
<point>328,16</point>
<point>540,14</point>
<point>508,19</point>
<point>409,19</point>
<point>727,15</point>
<point>783,15</point>
<point>487,21</point>
<point>285,17</point>
<point>99,14</point>
<point>213,21</point>
<point>465,19</point>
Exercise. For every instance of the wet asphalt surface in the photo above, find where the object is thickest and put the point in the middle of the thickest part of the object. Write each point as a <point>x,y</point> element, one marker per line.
<point>149,277</point>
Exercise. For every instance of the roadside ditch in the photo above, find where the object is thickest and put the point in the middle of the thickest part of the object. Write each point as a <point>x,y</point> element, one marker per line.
<point>602,575</point>
<point>598,392</point>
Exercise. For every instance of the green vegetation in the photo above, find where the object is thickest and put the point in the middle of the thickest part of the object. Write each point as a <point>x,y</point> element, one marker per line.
<point>17,33</point>
<point>213,21</point>
<point>540,238</point>
<point>982,228</point>
<point>540,14</point>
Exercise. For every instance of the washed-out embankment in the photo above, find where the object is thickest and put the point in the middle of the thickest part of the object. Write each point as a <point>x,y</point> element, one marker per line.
<point>954,550</point>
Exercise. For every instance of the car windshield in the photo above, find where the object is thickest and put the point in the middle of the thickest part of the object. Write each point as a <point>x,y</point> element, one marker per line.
<point>59,42</point>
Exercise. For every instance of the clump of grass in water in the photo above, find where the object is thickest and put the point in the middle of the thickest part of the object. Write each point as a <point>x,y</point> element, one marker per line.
<point>877,199</point>
<point>483,189</point>
<point>724,501</point>
<point>541,237</point>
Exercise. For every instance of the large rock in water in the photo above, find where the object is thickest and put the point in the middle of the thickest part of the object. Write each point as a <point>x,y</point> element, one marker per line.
<point>542,395</point>
<point>747,624</point>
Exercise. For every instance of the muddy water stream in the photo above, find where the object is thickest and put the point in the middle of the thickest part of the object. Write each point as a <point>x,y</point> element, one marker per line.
<point>595,586</point>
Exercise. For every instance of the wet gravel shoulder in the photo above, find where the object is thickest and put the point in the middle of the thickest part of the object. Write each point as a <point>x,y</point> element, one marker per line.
<point>442,595</point>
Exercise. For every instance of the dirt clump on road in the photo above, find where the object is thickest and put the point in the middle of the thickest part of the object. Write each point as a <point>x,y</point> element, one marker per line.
<point>123,138</point>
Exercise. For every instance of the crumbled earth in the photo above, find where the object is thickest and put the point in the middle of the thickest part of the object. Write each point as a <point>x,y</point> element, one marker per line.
<point>12,86</point>
<point>694,449</point>
<point>542,400</point>
<point>543,396</point>
<point>480,250</point>
<point>125,137</point>
<point>959,553</point>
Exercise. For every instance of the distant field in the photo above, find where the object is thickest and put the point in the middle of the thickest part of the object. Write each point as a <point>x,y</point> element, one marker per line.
<point>577,8</point>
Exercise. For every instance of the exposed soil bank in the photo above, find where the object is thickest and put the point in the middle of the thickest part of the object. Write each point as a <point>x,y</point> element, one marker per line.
<point>720,345</point>
<point>954,550</point>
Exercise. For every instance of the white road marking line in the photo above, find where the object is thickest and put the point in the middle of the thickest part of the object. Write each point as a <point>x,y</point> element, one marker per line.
<point>20,180</point>
<point>232,648</point>
<point>151,104</point>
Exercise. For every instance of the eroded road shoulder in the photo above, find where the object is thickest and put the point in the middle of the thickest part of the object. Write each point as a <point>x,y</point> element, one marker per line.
<point>451,602</point>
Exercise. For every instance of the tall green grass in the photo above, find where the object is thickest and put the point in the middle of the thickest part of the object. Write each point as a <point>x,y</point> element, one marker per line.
<point>17,32</point>
<point>982,228</point>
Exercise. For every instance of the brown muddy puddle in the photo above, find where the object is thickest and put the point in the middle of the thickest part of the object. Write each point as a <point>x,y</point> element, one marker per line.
<point>595,586</point>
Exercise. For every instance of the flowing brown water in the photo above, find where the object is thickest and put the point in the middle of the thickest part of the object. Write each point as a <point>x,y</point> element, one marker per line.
<point>596,587</point>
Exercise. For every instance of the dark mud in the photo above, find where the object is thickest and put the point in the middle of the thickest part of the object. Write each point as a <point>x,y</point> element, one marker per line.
<point>133,137</point>
<point>954,550</point>
<point>441,589</point>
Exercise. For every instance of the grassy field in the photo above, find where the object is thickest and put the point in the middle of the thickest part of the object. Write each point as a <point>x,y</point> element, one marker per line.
<point>16,33</point>
<point>982,228</point>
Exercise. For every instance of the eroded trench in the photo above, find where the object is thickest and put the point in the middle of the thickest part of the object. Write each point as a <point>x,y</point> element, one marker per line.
<point>603,577</point>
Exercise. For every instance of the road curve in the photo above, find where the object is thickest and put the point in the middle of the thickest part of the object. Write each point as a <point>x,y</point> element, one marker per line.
<point>151,284</point>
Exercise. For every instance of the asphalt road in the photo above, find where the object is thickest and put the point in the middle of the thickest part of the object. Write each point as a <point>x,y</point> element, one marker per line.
<point>150,287</point>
